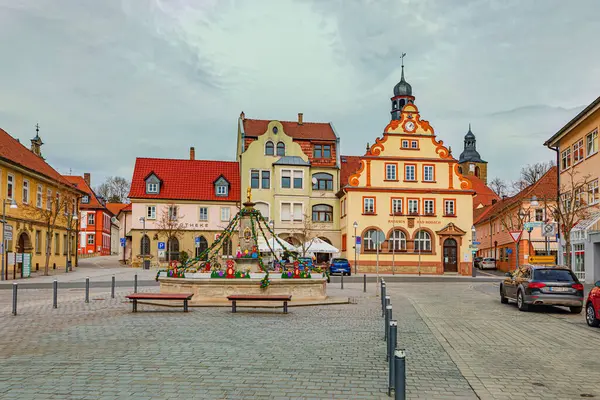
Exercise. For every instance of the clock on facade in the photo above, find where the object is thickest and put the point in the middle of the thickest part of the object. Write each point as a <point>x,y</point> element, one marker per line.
<point>409,126</point>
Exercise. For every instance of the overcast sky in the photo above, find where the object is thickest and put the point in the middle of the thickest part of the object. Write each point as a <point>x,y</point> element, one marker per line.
<point>110,80</point>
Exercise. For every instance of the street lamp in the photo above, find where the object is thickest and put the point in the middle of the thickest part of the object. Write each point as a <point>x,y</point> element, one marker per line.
<point>13,204</point>
<point>521,214</point>
<point>473,240</point>
<point>69,222</point>
<point>355,225</point>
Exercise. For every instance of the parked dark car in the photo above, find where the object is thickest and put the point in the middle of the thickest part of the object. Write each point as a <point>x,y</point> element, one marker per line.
<point>477,261</point>
<point>592,306</point>
<point>542,285</point>
<point>340,266</point>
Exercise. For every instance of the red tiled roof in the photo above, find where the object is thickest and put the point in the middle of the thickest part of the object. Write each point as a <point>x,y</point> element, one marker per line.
<point>82,185</point>
<point>348,166</point>
<point>116,208</point>
<point>483,194</point>
<point>185,179</point>
<point>544,188</point>
<point>13,151</point>
<point>304,131</point>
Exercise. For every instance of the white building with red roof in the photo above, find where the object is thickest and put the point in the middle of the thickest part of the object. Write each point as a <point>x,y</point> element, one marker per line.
<point>293,169</point>
<point>196,198</point>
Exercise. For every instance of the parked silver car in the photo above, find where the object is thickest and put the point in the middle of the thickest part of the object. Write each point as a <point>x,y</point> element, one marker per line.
<point>487,263</point>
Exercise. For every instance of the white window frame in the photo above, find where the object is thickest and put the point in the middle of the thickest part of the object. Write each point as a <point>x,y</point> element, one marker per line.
<point>565,159</point>
<point>594,143</point>
<point>407,168</point>
<point>25,194</point>
<point>91,217</point>
<point>395,203</point>
<point>405,142</point>
<point>536,213</point>
<point>294,171</point>
<point>446,204</point>
<point>390,172</point>
<point>225,214</point>
<point>48,199</point>
<point>284,172</point>
<point>413,202</point>
<point>593,192</point>
<point>578,151</point>
<point>431,204</point>
<point>369,205</point>
<point>151,212</point>
<point>200,213</point>
<point>10,182</point>
<point>292,215</point>
<point>414,144</point>
<point>431,169</point>
<point>221,190</point>
<point>173,213</point>
<point>152,188</point>
<point>93,236</point>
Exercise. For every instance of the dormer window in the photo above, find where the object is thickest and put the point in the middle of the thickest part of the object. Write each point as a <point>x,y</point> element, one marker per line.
<point>221,187</point>
<point>152,187</point>
<point>152,184</point>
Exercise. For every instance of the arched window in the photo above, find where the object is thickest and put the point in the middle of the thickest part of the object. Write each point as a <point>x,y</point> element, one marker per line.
<point>460,170</point>
<point>173,249</point>
<point>322,213</point>
<point>422,241</point>
<point>322,181</point>
<point>227,247</point>
<point>401,103</point>
<point>269,148</point>
<point>369,239</point>
<point>281,149</point>
<point>202,246</point>
<point>397,241</point>
<point>477,171</point>
<point>145,245</point>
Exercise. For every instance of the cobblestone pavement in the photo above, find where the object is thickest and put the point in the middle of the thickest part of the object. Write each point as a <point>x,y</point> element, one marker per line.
<point>461,343</point>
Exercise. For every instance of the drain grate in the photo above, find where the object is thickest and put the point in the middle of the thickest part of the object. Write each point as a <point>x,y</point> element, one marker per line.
<point>587,395</point>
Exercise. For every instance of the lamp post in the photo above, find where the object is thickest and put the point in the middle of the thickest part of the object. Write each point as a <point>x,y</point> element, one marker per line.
<point>73,217</point>
<point>13,204</point>
<point>473,251</point>
<point>355,225</point>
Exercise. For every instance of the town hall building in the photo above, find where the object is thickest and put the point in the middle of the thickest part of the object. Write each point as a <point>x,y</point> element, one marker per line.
<point>406,189</point>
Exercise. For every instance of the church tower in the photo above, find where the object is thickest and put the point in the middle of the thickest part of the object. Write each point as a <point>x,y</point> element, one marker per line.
<point>470,162</point>
<point>36,143</point>
<point>402,95</point>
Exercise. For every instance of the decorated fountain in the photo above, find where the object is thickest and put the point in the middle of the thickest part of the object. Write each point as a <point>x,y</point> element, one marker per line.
<point>211,281</point>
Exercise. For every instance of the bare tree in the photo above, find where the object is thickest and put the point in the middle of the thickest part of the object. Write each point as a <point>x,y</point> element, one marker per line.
<point>530,174</point>
<point>115,189</point>
<point>571,206</point>
<point>57,213</point>
<point>499,187</point>
<point>169,226</point>
<point>306,230</point>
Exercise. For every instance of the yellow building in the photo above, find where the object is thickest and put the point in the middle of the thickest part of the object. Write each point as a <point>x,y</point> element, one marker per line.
<point>39,205</point>
<point>293,170</point>
<point>407,189</point>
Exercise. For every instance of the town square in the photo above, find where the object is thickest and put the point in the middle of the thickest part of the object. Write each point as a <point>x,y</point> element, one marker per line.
<point>223,209</point>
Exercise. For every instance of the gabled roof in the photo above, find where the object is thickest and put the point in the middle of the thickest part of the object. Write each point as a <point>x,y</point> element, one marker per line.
<point>116,208</point>
<point>483,194</point>
<point>12,151</point>
<point>185,179</point>
<point>303,131</point>
<point>544,188</point>
<point>594,105</point>
<point>348,166</point>
<point>82,185</point>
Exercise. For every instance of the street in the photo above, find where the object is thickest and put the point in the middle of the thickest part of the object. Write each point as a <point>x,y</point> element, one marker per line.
<point>460,343</point>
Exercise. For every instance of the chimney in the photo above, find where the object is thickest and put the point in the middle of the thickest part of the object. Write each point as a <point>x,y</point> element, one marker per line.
<point>192,153</point>
<point>300,118</point>
<point>494,201</point>
<point>242,116</point>
<point>88,179</point>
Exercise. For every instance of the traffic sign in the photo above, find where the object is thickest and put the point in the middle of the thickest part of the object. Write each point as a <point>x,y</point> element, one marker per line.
<point>378,238</point>
<point>161,246</point>
<point>516,235</point>
<point>529,226</point>
<point>542,260</point>
<point>549,230</point>
<point>358,240</point>
<point>197,241</point>
<point>476,243</point>
<point>122,242</point>
<point>8,232</point>
<point>509,251</point>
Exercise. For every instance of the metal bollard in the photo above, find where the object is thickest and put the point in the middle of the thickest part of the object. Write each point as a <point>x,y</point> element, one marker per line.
<point>112,288</point>
<point>388,317</point>
<point>55,294</point>
<point>391,347</point>
<point>135,284</point>
<point>15,287</point>
<point>87,290</point>
<point>383,295</point>
<point>342,281</point>
<point>400,375</point>
<point>365,283</point>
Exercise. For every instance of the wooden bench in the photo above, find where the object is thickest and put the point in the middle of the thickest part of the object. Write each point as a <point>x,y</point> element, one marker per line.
<point>160,296</point>
<point>259,297</point>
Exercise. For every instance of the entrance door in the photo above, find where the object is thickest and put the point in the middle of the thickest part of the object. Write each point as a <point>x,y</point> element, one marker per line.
<point>23,245</point>
<point>450,256</point>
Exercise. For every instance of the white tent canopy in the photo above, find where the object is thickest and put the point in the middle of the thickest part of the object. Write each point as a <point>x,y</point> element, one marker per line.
<point>263,245</point>
<point>317,245</point>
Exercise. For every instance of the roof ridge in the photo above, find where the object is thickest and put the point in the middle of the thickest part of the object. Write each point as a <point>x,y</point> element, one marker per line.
<point>292,122</point>
<point>185,159</point>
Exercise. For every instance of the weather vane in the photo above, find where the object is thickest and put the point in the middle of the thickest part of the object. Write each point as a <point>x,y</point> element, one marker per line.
<point>402,58</point>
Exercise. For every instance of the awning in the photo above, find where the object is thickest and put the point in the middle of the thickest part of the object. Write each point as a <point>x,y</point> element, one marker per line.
<point>541,246</point>
<point>317,245</point>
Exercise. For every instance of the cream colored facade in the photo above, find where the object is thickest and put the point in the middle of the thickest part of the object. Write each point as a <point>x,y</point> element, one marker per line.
<point>408,187</point>
<point>291,209</point>
<point>32,192</point>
